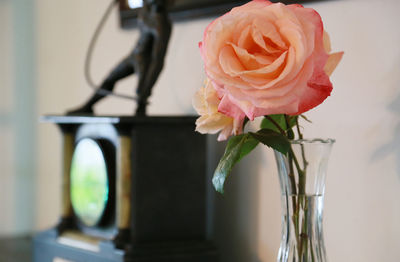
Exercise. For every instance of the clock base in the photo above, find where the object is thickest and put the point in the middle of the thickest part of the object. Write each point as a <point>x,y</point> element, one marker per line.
<point>161,207</point>
<point>49,247</point>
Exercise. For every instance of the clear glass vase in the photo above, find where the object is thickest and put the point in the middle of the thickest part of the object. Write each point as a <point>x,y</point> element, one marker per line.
<point>302,173</point>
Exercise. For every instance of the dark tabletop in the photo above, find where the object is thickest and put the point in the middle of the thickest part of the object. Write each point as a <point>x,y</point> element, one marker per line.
<point>16,249</point>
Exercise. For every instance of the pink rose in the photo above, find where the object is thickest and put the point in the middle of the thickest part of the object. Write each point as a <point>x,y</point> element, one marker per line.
<point>206,102</point>
<point>266,58</point>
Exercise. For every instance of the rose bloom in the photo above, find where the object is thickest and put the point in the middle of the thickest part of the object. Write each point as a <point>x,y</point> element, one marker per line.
<point>264,58</point>
<point>206,102</point>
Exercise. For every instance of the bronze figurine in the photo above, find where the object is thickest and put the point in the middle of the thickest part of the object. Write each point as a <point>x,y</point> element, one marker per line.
<point>146,59</point>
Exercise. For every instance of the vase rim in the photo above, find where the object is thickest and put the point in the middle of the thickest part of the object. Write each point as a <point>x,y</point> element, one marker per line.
<point>313,141</point>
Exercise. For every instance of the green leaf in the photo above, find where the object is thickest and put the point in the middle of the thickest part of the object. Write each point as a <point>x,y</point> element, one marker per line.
<point>292,121</point>
<point>280,120</point>
<point>273,139</point>
<point>238,147</point>
<point>248,146</point>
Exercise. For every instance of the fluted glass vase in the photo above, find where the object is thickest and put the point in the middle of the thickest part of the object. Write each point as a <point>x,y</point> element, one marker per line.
<point>302,173</point>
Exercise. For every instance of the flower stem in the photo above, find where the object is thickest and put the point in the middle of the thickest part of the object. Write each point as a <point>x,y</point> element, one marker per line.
<point>302,203</point>
<point>305,163</point>
<point>298,192</point>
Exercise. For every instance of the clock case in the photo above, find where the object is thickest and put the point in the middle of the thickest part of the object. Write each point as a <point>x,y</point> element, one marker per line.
<point>160,212</point>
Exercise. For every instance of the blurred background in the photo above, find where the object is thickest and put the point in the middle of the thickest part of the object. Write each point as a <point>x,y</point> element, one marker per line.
<point>42,50</point>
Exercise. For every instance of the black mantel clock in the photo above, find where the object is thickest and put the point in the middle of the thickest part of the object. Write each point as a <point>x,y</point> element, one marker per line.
<point>134,189</point>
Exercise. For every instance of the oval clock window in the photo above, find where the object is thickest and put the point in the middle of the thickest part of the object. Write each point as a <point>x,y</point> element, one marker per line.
<point>89,182</point>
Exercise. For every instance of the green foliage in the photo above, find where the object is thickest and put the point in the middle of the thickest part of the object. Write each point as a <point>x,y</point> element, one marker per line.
<point>89,192</point>
<point>272,139</point>
<point>275,133</point>
<point>238,147</point>
<point>285,122</point>
<point>89,182</point>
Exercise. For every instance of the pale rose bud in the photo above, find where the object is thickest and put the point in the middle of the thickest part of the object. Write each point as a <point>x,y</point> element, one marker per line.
<point>266,58</point>
<point>206,102</point>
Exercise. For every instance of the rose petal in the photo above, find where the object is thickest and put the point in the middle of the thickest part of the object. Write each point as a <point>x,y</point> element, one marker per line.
<point>261,72</point>
<point>197,102</point>
<point>332,62</point>
<point>248,60</point>
<point>327,42</point>
<point>245,41</point>
<point>265,71</point>
<point>265,58</point>
<point>229,62</point>
<point>259,39</point>
<point>234,110</point>
<point>319,89</point>
<point>225,133</point>
<point>268,30</point>
<point>212,124</point>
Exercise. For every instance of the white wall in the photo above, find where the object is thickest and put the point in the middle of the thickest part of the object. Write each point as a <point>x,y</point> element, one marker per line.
<point>6,129</point>
<point>363,114</point>
<point>17,117</point>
